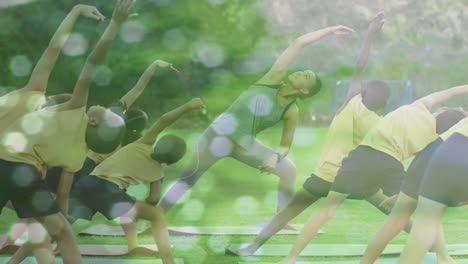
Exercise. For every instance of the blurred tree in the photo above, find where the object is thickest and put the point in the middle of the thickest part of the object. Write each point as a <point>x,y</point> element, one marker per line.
<point>223,46</point>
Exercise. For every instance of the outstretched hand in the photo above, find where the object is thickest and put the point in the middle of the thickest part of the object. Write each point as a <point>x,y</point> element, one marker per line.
<point>269,164</point>
<point>89,11</point>
<point>341,30</point>
<point>377,24</point>
<point>196,103</point>
<point>163,64</point>
<point>122,10</point>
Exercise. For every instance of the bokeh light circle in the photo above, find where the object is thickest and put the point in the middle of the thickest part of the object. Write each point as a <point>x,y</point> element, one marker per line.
<point>221,147</point>
<point>193,210</point>
<point>210,54</point>
<point>32,124</point>
<point>103,76</point>
<point>260,105</point>
<point>173,39</point>
<point>42,201</point>
<point>121,209</point>
<point>225,124</point>
<point>132,31</point>
<point>37,234</point>
<point>75,45</point>
<point>20,65</point>
<point>15,141</point>
<point>246,206</point>
<point>22,176</point>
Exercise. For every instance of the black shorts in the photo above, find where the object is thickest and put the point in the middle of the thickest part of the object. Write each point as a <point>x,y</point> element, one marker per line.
<point>415,173</point>
<point>365,171</point>
<point>446,179</point>
<point>317,186</point>
<point>53,174</point>
<point>23,186</point>
<point>92,194</point>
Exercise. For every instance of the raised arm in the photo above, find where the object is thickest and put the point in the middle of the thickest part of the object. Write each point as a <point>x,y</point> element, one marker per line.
<point>439,97</point>
<point>155,192</point>
<point>278,71</point>
<point>80,92</point>
<point>40,75</point>
<point>168,118</point>
<point>129,98</point>
<point>290,122</point>
<point>355,86</point>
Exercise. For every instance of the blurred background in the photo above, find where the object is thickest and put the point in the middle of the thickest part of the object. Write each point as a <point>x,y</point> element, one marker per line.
<point>223,46</point>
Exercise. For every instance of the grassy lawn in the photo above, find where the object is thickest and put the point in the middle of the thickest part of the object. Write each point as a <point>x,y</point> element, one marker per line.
<point>231,193</point>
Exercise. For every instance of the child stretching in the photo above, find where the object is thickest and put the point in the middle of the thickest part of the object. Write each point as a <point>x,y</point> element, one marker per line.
<point>137,163</point>
<point>58,136</point>
<point>374,170</point>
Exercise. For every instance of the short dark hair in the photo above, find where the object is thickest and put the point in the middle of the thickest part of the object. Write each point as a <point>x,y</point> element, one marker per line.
<point>448,118</point>
<point>135,119</point>
<point>135,122</point>
<point>314,89</point>
<point>169,149</point>
<point>376,94</point>
<point>105,137</point>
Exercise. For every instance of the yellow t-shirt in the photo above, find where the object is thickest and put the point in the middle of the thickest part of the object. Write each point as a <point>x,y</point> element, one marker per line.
<point>345,133</point>
<point>46,138</point>
<point>98,157</point>
<point>130,165</point>
<point>403,132</point>
<point>14,105</point>
<point>460,127</point>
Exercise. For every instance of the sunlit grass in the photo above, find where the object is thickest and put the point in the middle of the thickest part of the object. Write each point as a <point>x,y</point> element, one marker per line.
<point>229,184</point>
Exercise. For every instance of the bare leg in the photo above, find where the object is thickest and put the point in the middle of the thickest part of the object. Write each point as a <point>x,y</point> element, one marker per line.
<point>159,228</point>
<point>398,220</point>
<point>60,230</point>
<point>322,214</point>
<point>285,169</point>
<point>19,227</point>
<point>130,229</point>
<point>393,225</point>
<point>299,203</point>
<point>39,243</point>
<point>440,247</point>
<point>426,228</point>
<point>21,254</point>
<point>43,251</point>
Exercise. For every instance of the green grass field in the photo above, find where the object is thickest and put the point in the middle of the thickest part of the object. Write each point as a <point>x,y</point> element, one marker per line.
<point>234,194</point>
